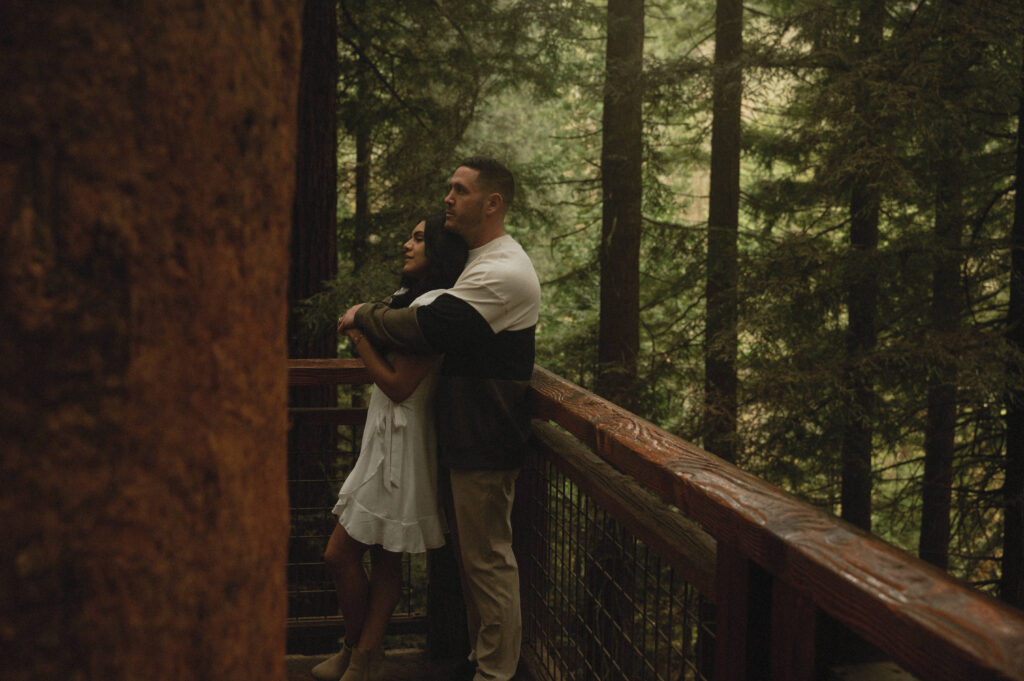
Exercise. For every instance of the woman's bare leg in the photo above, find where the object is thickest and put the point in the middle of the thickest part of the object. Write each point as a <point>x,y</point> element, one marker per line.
<point>385,592</point>
<point>344,558</point>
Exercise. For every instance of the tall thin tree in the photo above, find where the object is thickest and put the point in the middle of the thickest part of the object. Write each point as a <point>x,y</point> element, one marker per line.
<point>945,311</point>
<point>721,335</point>
<point>622,191</point>
<point>862,282</point>
<point>1011,587</point>
<point>619,253</point>
<point>314,227</point>
<point>314,258</point>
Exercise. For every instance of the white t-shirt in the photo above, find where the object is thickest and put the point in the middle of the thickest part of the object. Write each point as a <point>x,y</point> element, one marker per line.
<point>499,282</point>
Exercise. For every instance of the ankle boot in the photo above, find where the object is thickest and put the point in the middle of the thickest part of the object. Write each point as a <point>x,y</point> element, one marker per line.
<point>364,664</point>
<point>334,666</point>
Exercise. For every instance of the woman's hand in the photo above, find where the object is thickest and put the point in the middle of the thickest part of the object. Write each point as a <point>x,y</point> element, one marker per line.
<point>347,321</point>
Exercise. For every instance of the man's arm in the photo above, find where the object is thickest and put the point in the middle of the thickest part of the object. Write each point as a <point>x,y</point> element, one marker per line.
<point>391,329</point>
<point>398,381</point>
<point>453,327</point>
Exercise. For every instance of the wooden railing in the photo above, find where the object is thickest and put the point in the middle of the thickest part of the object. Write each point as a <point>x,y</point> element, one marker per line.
<point>790,579</point>
<point>314,624</point>
<point>780,589</point>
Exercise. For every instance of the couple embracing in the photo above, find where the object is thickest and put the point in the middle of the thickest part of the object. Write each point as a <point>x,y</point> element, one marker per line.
<point>451,354</point>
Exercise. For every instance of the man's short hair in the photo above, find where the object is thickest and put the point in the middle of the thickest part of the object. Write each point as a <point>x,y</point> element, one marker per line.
<point>494,176</point>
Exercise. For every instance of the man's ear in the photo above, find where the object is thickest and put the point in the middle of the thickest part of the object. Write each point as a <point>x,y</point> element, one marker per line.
<point>494,203</point>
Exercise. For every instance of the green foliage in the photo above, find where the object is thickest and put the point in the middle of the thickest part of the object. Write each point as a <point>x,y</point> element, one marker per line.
<point>434,81</point>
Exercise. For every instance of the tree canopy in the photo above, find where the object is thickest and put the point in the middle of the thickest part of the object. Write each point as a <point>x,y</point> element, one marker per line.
<point>878,154</point>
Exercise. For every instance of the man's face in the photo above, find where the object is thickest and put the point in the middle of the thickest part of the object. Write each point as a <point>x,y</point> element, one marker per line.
<point>464,205</point>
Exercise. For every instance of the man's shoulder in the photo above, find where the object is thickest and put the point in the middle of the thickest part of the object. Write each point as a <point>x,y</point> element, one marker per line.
<point>504,255</point>
<point>504,276</point>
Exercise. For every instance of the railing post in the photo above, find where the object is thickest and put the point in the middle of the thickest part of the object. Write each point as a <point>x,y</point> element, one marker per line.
<point>530,528</point>
<point>794,626</point>
<point>743,609</point>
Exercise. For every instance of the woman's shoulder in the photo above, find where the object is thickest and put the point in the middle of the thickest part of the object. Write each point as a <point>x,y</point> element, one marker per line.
<point>428,297</point>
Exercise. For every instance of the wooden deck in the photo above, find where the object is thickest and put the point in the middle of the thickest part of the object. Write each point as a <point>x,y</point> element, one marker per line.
<point>407,664</point>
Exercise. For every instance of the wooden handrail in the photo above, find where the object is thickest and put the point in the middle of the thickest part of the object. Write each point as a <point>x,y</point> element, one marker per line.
<point>327,372</point>
<point>930,623</point>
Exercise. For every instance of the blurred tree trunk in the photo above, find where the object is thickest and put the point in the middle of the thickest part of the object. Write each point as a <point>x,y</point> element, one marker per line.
<point>862,289</point>
<point>720,340</point>
<point>146,180</point>
<point>1012,583</point>
<point>622,188</point>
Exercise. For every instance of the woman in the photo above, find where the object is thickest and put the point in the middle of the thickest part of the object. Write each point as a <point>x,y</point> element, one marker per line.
<point>389,500</point>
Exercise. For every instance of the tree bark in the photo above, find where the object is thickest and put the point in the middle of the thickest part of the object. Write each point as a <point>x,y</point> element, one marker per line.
<point>315,232</point>
<point>622,189</point>
<point>314,260</point>
<point>1011,587</point>
<point>945,316</point>
<point>862,293</point>
<point>721,335</point>
<point>364,150</point>
<point>146,179</point>
<point>946,308</point>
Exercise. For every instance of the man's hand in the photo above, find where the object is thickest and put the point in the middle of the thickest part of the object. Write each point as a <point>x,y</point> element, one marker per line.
<point>348,320</point>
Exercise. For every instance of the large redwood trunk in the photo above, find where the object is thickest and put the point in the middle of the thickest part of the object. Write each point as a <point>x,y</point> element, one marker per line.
<point>146,175</point>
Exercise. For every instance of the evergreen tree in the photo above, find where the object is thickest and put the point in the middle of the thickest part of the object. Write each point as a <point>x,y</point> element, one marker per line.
<point>862,280</point>
<point>721,334</point>
<point>1011,587</point>
<point>621,221</point>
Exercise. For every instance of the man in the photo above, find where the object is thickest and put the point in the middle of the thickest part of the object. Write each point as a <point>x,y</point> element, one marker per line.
<point>484,326</point>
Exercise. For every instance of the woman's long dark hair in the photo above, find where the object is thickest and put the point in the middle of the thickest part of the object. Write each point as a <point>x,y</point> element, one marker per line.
<point>446,256</point>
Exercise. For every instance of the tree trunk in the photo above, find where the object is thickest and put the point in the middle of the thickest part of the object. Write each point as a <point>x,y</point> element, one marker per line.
<point>314,236</point>
<point>622,187</point>
<point>945,320</point>
<point>360,126</point>
<point>946,312</point>
<point>1011,586</point>
<point>314,260</point>
<point>862,295</point>
<point>146,178</point>
<point>361,232</point>
<point>720,339</point>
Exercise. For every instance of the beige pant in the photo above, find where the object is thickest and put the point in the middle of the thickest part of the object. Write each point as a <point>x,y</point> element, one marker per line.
<point>481,523</point>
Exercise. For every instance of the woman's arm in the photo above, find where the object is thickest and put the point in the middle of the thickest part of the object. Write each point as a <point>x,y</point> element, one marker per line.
<point>397,382</point>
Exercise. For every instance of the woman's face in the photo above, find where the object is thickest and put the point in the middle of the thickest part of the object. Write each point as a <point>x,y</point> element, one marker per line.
<point>416,253</point>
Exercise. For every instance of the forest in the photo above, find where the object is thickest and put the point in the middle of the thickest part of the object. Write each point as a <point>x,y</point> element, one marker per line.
<point>789,231</point>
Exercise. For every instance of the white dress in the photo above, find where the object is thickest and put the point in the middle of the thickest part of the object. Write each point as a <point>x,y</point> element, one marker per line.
<point>390,497</point>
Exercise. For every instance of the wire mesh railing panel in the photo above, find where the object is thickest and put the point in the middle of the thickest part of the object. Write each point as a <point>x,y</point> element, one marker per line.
<point>597,602</point>
<point>319,458</point>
